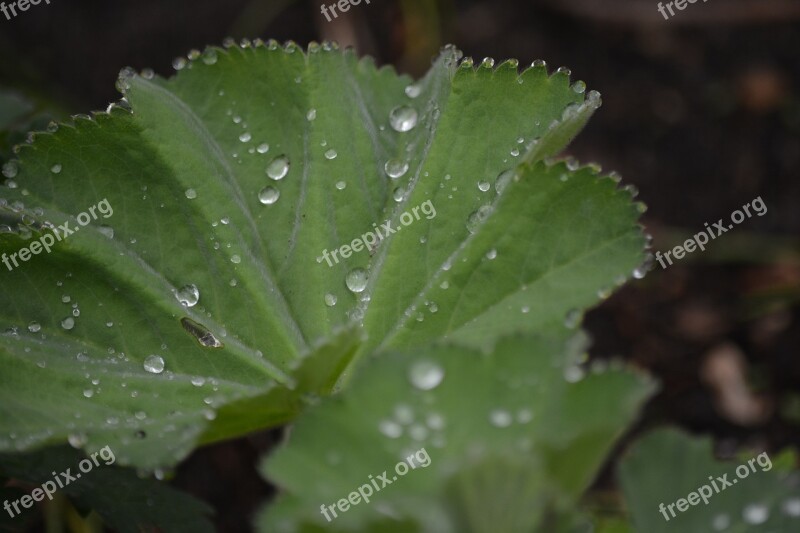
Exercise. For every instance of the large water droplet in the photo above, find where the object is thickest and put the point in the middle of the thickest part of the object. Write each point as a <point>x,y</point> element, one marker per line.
<point>68,323</point>
<point>188,295</point>
<point>191,194</point>
<point>426,375</point>
<point>356,280</point>
<point>154,364</point>
<point>403,118</point>
<point>331,154</point>
<point>395,168</point>
<point>201,333</point>
<point>279,167</point>
<point>484,186</point>
<point>269,195</point>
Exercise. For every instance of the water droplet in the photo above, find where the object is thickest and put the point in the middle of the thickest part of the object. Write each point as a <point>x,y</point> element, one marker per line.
<point>76,440</point>
<point>503,180</point>
<point>198,381</point>
<point>179,63</point>
<point>391,429</point>
<point>515,152</point>
<point>263,148</point>
<point>201,333</point>
<point>524,416</point>
<point>279,167</point>
<point>34,327</point>
<point>245,137</point>
<point>487,62</point>
<point>755,513</point>
<point>340,185</point>
<point>721,522</point>
<point>209,56</point>
<point>56,169</point>
<point>478,217</point>
<point>435,421</point>
<point>399,194</point>
<point>403,118</point>
<point>573,374</point>
<point>331,154</point>
<point>235,259</point>
<point>68,323</point>
<point>564,70</point>
<point>10,169</point>
<point>88,393</point>
<point>484,186</point>
<point>269,195</point>
<point>154,364</point>
<point>356,280</point>
<point>426,375</point>
<point>330,300</point>
<point>445,285</point>
<point>413,90</point>
<point>395,168</point>
<point>500,418</point>
<point>418,432</point>
<point>491,254</point>
<point>579,87</point>
<point>188,295</point>
<point>108,231</point>
<point>311,115</point>
<point>791,507</point>
<point>191,194</point>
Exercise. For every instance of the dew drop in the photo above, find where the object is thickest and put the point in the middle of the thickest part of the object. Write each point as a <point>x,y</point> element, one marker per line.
<point>503,180</point>
<point>188,295</point>
<point>391,429</point>
<point>330,300</point>
<point>426,375</point>
<point>356,280</point>
<point>88,393</point>
<point>76,440</point>
<point>791,507</point>
<point>10,169</point>
<point>579,87</point>
<point>721,522</point>
<point>34,327</point>
<point>755,513</point>
<point>395,168</point>
<point>403,118</point>
<point>500,418</point>
<point>191,194</point>
<point>484,186</point>
<point>478,217</point>
<point>245,137</point>
<point>331,154</point>
<point>56,169</point>
<point>154,364</point>
<point>68,323</point>
<point>279,167</point>
<point>209,56</point>
<point>269,195</point>
<point>491,254</point>
<point>179,63</point>
<point>413,90</point>
<point>108,231</point>
<point>235,259</point>
<point>340,185</point>
<point>311,115</point>
<point>262,148</point>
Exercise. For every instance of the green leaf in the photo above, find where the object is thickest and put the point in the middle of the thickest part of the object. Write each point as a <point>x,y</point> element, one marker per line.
<point>187,181</point>
<point>126,502</point>
<point>668,465</point>
<point>498,432</point>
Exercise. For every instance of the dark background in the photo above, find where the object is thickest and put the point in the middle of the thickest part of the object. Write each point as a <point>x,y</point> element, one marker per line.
<point>701,112</point>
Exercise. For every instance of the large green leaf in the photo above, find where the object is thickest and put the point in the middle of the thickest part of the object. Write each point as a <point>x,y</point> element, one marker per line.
<point>759,493</point>
<point>509,437</point>
<point>186,176</point>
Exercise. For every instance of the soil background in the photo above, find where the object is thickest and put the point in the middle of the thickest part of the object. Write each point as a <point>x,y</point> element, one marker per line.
<point>701,113</point>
